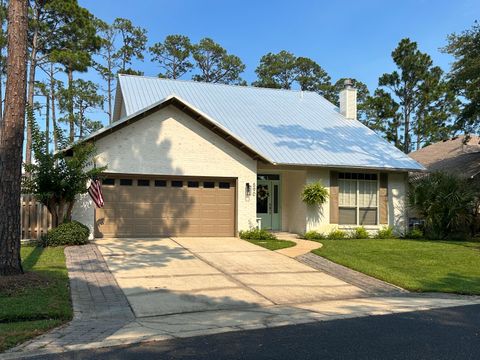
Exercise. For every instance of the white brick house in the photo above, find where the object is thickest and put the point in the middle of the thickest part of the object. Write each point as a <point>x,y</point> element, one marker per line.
<point>197,159</point>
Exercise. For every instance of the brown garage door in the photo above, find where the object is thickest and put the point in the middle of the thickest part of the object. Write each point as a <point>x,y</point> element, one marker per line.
<point>150,207</point>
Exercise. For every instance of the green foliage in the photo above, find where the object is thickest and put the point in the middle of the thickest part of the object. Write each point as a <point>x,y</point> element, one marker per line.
<point>85,97</point>
<point>215,64</point>
<point>445,202</point>
<point>257,234</point>
<point>465,75</point>
<point>133,44</point>
<point>337,235</point>
<point>173,56</point>
<point>314,235</point>
<point>55,178</point>
<point>385,233</point>
<point>414,234</point>
<point>360,233</point>
<point>419,104</point>
<point>282,70</point>
<point>67,233</point>
<point>314,194</point>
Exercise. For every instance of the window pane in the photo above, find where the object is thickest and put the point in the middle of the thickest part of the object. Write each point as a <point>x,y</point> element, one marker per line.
<point>126,182</point>
<point>160,183</point>
<point>347,192</point>
<point>142,182</point>
<point>275,199</point>
<point>208,184</point>
<point>367,193</point>
<point>193,184</point>
<point>347,216</point>
<point>177,183</point>
<point>108,181</point>
<point>224,185</point>
<point>368,216</point>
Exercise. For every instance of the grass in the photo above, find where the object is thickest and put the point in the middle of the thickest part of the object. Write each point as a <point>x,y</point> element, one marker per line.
<point>39,301</point>
<point>273,244</point>
<point>415,265</point>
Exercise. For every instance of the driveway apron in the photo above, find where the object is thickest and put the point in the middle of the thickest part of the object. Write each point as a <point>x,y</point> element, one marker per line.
<point>178,275</point>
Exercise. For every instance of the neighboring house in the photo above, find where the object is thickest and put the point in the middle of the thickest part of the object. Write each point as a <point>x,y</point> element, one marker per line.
<point>459,155</point>
<point>197,159</point>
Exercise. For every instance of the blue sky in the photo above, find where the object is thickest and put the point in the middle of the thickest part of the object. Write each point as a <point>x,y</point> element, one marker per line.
<point>347,38</point>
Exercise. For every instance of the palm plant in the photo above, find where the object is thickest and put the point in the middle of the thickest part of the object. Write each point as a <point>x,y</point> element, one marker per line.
<point>446,203</point>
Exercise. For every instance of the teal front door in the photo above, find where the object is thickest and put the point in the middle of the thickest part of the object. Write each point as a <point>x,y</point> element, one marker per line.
<point>268,203</point>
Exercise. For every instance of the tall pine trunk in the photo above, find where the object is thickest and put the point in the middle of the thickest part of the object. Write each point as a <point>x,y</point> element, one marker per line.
<point>71,117</point>
<point>30,96</point>
<point>11,139</point>
<point>54,116</point>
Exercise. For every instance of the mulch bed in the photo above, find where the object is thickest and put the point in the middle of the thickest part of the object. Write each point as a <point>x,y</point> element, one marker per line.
<point>14,284</point>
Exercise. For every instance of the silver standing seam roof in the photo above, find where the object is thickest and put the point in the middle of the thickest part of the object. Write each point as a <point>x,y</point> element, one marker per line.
<point>286,126</point>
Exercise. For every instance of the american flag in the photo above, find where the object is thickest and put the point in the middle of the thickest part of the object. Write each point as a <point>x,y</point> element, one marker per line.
<point>95,192</point>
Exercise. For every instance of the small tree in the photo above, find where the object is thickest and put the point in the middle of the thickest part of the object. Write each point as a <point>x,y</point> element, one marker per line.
<point>56,179</point>
<point>446,203</point>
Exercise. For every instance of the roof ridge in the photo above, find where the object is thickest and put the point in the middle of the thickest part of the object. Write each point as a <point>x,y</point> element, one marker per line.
<point>219,84</point>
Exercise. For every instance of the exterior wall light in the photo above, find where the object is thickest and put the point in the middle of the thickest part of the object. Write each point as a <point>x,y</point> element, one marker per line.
<point>248,189</point>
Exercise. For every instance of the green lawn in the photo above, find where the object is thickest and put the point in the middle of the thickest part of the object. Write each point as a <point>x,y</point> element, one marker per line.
<point>28,311</point>
<point>416,265</point>
<point>273,244</point>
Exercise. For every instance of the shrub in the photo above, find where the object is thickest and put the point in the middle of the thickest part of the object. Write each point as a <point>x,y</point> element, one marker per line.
<point>337,235</point>
<point>360,233</point>
<point>414,234</point>
<point>257,234</point>
<point>314,194</point>
<point>314,235</point>
<point>446,202</point>
<point>67,233</point>
<point>385,233</point>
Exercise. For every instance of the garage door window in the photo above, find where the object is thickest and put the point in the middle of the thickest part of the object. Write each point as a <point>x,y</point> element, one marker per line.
<point>142,182</point>
<point>193,184</point>
<point>208,184</point>
<point>177,183</point>
<point>108,182</point>
<point>126,182</point>
<point>160,183</point>
<point>224,185</point>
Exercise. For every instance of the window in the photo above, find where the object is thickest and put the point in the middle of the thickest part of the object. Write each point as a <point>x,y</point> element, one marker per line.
<point>224,185</point>
<point>160,183</point>
<point>143,182</point>
<point>268,177</point>
<point>108,181</point>
<point>177,183</point>
<point>208,184</point>
<point>126,182</point>
<point>193,184</point>
<point>358,199</point>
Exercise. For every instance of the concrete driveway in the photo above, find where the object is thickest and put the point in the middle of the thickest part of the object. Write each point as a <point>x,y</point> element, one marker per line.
<point>179,275</point>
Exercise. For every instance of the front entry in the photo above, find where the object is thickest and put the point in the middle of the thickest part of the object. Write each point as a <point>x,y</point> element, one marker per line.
<point>268,201</point>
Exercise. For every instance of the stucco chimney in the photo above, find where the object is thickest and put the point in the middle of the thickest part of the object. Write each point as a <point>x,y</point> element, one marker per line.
<point>348,100</point>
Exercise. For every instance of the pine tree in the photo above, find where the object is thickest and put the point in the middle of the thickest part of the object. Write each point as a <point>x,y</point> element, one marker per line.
<point>11,139</point>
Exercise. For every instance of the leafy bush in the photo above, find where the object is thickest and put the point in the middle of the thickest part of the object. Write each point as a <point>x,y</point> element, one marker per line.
<point>314,194</point>
<point>257,234</point>
<point>314,235</point>
<point>385,233</point>
<point>414,234</point>
<point>67,233</point>
<point>445,202</point>
<point>337,235</point>
<point>360,233</point>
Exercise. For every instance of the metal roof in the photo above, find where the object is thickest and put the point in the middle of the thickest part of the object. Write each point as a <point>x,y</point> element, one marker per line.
<point>286,126</point>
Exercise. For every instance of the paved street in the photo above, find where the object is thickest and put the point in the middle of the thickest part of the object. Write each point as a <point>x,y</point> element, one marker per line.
<point>452,333</point>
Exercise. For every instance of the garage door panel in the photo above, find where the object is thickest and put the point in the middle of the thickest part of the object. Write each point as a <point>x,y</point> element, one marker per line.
<point>165,210</point>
